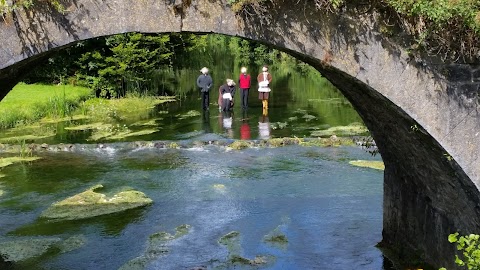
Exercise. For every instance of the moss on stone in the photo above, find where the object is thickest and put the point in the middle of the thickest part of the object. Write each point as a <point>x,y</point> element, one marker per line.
<point>4,162</point>
<point>72,243</point>
<point>155,248</point>
<point>173,145</point>
<point>277,238</point>
<point>239,145</point>
<point>90,204</point>
<point>237,259</point>
<point>374,164</point>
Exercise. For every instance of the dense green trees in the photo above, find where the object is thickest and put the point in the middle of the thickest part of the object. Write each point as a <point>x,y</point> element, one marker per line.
<point>135,62</point>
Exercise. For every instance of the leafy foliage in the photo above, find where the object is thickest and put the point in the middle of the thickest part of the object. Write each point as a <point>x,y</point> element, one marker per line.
<point>470,247</point>
<point>450,28</point>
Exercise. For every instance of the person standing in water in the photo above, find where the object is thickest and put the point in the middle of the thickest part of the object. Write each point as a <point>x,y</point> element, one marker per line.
<point>264,79</point>
<point>228,92</point>
<point>205,82</point>
<point>244,83</point>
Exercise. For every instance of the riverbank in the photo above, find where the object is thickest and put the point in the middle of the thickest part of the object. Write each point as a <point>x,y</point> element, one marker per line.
<point>27,104</point>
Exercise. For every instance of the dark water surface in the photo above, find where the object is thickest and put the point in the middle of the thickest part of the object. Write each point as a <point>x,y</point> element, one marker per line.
<point>329,211</point>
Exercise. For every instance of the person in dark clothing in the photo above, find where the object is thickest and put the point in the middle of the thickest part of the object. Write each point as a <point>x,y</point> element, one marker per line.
<point>228,92</point>
<point>244,83</point>
<point>205,82</point>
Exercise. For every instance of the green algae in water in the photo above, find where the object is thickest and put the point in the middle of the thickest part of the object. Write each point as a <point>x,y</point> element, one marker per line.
<point>152,122</point>
<point>231,241</point>
<point>90,204</point>
<point>191,113</point>
<point>129,133</point>
<point>350,130</point>
<point>156,247</point>
<point>64,119</point>
<point>4,162</point>
<point>373,164</point>
<point>97,125</point>
<point>20,250</point>
<point>29,137</point>
<point>24,249</point>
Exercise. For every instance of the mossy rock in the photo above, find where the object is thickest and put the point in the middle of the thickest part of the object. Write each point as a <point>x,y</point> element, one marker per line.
<point>374,164</point>
<point>90,204</point>
<point>240,145</point>
<point>258,260</point>
<point>277,238</point>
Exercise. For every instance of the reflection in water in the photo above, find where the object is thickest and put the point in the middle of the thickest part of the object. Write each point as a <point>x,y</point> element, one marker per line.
<point>264,127</point>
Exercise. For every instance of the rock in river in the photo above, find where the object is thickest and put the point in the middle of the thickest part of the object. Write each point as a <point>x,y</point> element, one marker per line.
<point>90,204</point>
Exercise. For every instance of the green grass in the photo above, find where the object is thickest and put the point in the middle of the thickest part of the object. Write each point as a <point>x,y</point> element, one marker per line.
<point>26,104</point>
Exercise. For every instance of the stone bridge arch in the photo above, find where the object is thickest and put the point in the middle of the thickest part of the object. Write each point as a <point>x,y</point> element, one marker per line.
<point>423,114</point>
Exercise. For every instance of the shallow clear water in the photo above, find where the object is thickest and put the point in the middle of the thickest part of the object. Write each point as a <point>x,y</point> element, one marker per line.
<point>330,211</point>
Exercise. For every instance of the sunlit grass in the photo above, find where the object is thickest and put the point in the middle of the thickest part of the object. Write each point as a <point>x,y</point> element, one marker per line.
<point>26,104</point>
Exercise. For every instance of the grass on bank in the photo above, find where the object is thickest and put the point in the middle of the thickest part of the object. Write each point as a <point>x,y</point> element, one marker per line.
<point>26,104</point>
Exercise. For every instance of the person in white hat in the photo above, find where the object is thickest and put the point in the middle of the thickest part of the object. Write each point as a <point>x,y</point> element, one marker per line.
<point>244,82</point>
<point>264,79</point>
<point>205,82</point>
<point>228,92</point>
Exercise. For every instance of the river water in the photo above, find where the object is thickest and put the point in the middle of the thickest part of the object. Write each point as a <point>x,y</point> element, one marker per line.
<point>329,212</point>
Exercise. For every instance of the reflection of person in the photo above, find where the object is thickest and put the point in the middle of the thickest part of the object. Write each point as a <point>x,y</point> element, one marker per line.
<point>264,127</point>
<point>244,83</point>
<point>205,82</point>
<point>245,131</point>
<point>227,121</point>
<point>264,79</point>
<point>206,122</point>
<point>228,92</point>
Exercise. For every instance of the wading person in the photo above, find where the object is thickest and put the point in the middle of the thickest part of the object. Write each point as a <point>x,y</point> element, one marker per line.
<point>228,92</point>
<point>244,83</point>
<point>205,82</point>
<point>264,79</point>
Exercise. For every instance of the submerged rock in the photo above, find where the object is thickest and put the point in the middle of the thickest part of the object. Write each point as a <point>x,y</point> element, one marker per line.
<point>239,145</point>
<point>232,242</point>
<point>374,164</point>
<point>24,249</point>
<point>90,204</point>
<point>156,247</point>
